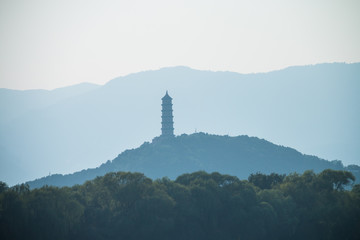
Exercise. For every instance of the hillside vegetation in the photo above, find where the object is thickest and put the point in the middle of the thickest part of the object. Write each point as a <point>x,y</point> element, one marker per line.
<point>239,156</point>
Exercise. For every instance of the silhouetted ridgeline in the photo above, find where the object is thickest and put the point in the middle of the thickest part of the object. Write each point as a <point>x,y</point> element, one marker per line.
<point>195,206</point>
<point>239,156</point>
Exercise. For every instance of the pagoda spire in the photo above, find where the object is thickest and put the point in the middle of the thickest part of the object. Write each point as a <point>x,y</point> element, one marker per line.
<point>167,123</point>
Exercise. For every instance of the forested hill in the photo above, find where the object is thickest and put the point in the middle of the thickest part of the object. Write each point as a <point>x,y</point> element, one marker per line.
<point>239,156</point>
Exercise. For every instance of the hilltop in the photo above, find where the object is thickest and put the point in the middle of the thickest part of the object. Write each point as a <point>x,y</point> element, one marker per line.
<point>170,157</point>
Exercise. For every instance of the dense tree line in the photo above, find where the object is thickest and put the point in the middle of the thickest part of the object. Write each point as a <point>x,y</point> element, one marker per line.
<point>199,205</point>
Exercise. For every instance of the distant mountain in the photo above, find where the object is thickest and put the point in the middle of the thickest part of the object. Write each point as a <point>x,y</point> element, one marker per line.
<point>311,108</point>
<point>171,157</point>
<point>15,103</point>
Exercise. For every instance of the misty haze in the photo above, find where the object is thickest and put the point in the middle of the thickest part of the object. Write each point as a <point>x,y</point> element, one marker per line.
<point>197,120</point>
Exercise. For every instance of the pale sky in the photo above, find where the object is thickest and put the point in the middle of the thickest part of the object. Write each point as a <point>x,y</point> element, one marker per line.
<point>49,44</point>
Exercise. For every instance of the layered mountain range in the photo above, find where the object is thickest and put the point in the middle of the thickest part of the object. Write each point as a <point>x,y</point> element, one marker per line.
<point>313,109</point>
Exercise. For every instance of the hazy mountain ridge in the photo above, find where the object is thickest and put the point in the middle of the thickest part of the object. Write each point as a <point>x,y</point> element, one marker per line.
<point>23,101</point>
<point>311,108</point>
<point>239,156</point>
<point>15,105</point>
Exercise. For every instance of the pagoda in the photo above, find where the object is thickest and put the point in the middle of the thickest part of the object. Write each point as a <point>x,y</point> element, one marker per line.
<point>167,123</point>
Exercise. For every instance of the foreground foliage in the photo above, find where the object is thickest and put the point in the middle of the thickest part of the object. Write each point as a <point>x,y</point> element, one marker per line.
<point>127,205</point>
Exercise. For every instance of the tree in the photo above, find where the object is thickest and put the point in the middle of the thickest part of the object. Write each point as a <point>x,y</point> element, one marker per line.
<point>264,181</point>
<point>336,179</point>
<point>3,187</point>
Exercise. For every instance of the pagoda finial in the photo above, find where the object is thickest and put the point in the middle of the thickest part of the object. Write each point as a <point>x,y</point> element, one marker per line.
<point>167,96</point>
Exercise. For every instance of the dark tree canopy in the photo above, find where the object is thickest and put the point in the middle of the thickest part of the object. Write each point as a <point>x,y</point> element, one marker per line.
<point>198,205</point>
<point>264,181</point>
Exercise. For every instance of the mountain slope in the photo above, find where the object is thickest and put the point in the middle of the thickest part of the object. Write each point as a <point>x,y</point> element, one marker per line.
<point>239,156</point>
<point>16,161</point>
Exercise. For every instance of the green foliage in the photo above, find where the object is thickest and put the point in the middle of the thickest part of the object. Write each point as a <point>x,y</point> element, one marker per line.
<point>3,187</point>
<point>264,181</point>
<point>198,205</point>
<point>336,179</point>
